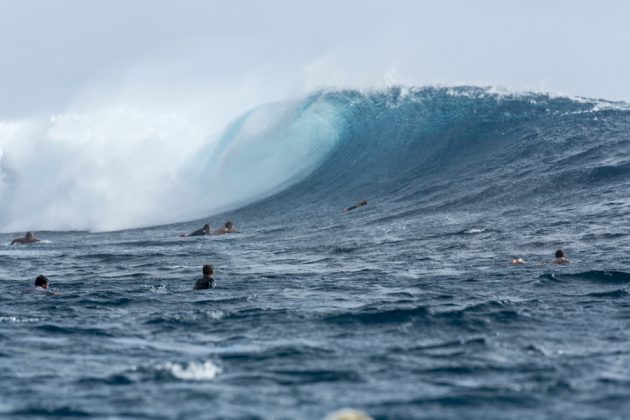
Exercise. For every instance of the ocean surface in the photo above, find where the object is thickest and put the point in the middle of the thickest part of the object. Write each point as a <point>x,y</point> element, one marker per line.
<point>406,308</point>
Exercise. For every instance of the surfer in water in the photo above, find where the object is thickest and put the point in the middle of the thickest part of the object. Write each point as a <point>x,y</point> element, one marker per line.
<point>205,230</point>
<point>359,204</point>
<point>518,261</point>
<point>41,286</point>
<point>207,281</point>
<point>29,238</point>
<point>560,258</point>
<point>227,228</point>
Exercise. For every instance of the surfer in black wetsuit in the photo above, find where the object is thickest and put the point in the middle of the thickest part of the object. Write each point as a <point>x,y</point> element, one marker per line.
<point>359,204</point>
<point>205,230</point>
<point>29,238</point>
<point>207,281</point>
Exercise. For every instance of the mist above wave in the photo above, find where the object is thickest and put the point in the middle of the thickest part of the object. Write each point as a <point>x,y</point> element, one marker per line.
<point>122,167</point>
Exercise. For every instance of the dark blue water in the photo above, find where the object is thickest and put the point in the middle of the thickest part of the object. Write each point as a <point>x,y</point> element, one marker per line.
<point>405,308</point>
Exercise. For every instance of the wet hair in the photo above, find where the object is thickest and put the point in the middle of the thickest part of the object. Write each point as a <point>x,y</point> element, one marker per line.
<point>41,281</point>
<point>208,270</point>
<point>229,225</point>
<point>559,254</point>
<point>29,235</point>
<point>206,226</point>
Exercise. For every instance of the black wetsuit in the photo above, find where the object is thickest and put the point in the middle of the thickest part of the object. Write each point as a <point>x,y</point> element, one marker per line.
<point>198,232</point>
<point>206,282</point>
<point>356,206</point>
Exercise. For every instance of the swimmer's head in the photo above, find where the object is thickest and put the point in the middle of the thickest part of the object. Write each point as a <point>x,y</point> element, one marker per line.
<point>206,227</point>
<point>29,235</point>
<point>559,254</point>
<point>41,281</point>
<point>208,270</point>
<point>229,225</point>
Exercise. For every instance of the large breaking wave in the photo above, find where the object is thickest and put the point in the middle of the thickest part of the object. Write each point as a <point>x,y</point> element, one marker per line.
<point>471,149</point>
<point>430,148</point>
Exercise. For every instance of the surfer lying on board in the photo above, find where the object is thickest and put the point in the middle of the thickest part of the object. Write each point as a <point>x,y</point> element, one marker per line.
<point>205,230</point>
<point>29,238</point>
<point>359,204</point>
<point>227,228</point>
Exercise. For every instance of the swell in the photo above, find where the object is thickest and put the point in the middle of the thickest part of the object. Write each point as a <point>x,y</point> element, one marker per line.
<point>475,317</point>
<point>595,276</point>
<point>430,149</point>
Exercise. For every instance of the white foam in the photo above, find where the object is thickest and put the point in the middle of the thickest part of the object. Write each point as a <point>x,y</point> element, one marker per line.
<point>161,289</point>
<point>474,230</point>
<point>194,371</point>
<point>215,314</point>
<point>18,319</point>
<point>501,92</point>
<point>115,166</point>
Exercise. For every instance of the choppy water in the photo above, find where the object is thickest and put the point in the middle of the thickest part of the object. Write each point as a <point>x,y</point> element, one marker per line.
<point>405,308</point>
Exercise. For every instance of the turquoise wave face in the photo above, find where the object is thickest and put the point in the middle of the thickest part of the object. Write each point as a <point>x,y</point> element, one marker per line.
<point>267,149</point>
<point>445,147</point>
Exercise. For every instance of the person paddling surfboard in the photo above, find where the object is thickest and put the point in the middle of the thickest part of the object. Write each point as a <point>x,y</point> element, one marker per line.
<point>359,204</point>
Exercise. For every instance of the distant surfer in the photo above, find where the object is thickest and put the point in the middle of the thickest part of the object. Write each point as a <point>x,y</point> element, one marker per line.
<point>518,261</point>
<point>41,287</point>
<point>359,204</point>
<point>560,258</point>
<point>29,238</point>
<point>207,281</point>
<point>227,228</point>
<point>205,230</point>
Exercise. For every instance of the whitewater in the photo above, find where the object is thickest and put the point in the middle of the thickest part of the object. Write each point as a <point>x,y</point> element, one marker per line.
<point>405,308</point>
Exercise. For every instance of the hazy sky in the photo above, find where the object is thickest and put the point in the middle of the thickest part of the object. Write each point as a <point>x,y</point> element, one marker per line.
<point>57,54</point>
